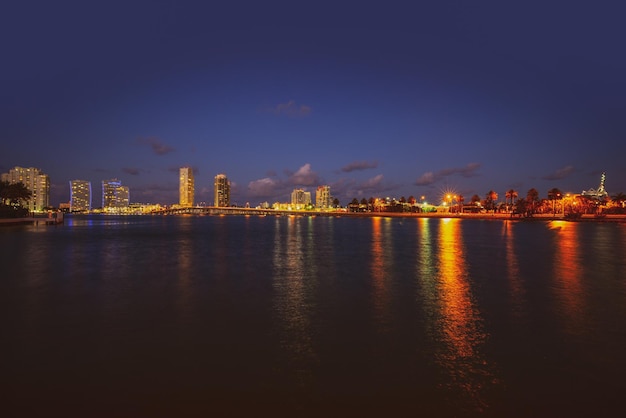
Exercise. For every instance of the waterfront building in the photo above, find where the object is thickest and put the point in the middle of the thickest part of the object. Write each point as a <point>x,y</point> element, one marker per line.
<point>80,196</point>
<point>323,199</point>
<point>36,182</point>
<point>114,195</point>
<point>221,189</point>
<point>186,187</point>
<point>300,199</point>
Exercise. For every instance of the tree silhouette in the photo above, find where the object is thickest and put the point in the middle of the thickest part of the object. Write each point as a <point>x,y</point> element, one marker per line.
<point>532,197</point>
<point>511,195</point>
<point>554,195</point>
<point>490,200</point>
<point>14,194</point>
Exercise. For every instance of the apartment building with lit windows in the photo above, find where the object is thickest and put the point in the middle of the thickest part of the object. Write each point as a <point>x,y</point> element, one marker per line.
<point>35,181</point>
<point>186,186</point>
<point>221,190</point>
<point>300,199</point>
<point>114,195</point>
<point>80,196</point>
<point>323,200</point>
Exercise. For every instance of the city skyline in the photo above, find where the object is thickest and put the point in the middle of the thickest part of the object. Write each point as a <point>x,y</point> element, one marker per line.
<point>372,101</point>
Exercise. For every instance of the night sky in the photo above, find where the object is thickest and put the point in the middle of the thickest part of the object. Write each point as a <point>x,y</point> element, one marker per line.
<point>375,99</point>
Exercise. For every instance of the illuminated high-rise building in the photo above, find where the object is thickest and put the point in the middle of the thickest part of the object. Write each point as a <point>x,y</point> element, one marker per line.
<point>114,195</point>
<point>322,197</point>
<point>186,186</point>
<point>80,196</point>
<point>300,198</point>
<point>221,189</point>
<point>36,182</point>
<point>123,196</point>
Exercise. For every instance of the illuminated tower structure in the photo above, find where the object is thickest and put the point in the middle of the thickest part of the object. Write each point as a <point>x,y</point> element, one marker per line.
<point>36,182</point>
<point>322,197</point>
<point>80,196</point>
<point>599,194</point>
<point>114,195</point>
<point>221,189</point>
<point>186,186</point>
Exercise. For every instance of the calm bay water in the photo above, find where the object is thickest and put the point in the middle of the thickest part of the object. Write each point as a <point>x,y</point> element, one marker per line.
<point>191,316</point>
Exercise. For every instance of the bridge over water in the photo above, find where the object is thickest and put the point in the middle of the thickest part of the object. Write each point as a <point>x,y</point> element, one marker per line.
<point>213,210</point>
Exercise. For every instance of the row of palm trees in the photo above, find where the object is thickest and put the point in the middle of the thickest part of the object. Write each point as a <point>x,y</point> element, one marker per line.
<point>527,205</point>
<point>532,203</point>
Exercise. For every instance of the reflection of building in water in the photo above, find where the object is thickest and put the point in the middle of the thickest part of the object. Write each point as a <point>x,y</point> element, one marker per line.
<point>599,194</point>
<point>292,301</point>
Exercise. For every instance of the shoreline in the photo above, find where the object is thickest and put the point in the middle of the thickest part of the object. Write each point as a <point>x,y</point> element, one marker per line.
<point>619,218</point>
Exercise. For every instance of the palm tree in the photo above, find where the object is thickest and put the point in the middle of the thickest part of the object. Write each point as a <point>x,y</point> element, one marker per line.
<point>554,195</point>
<point>460,199</point>
<point>475,199</point>
<point>490,200</point>
<point>532,197</point>
<point>511,195</point>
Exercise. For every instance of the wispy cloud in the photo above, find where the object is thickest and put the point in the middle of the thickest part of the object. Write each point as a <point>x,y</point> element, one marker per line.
<point>431,177</point>
<point>131,170</point>
<point>359,165</point>
<point>273,187</point>
<point>559,174</point>
<point>291,109</point>
<point>373,187</point>
<point>263,188</point>
<point>157,145</point>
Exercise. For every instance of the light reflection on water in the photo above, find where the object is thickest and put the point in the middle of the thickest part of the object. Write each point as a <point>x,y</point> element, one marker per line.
<point>381,266</point>
<point>292,287</point>
<point>459,324</point>
<point>568,275</point>
<point>517,292</point>
<point>371,315</point>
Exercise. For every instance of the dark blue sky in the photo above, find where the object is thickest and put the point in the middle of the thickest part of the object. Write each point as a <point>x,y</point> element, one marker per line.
<point>384,99</point>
